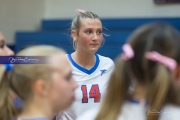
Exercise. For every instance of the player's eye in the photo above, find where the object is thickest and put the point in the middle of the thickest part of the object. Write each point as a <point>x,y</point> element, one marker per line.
<point>89,31</point>
<point>99,32</point>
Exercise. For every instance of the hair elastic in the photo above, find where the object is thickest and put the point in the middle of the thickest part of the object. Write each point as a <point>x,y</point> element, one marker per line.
<point>128,52</point>
<point>168,62</point>
<point>8,67</point>
<point>80,10</point>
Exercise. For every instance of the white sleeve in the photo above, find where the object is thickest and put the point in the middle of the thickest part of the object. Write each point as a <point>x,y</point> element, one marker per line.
<point>89,115</point>
<point>64,116</point>
<point>170,113</point>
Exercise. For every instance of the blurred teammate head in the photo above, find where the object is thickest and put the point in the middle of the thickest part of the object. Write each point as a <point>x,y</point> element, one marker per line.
<point>48,88</point>
<point>86,31</point>
<point>159,77</point>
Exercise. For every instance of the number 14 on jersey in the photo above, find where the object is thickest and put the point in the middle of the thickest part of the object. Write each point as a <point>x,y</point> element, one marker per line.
<point>93,93</point>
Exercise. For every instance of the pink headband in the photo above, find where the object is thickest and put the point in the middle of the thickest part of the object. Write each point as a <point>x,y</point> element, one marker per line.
<point>154,56</point>
<point>168,62</point>
<point>80,10</point>
<point>128,52</point>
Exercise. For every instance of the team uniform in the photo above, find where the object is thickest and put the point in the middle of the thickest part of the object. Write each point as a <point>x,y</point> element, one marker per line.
<point>137,111</point>
<point>92,85</point>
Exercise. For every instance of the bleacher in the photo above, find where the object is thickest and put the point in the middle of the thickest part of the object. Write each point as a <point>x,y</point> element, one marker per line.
<point>57,33</point>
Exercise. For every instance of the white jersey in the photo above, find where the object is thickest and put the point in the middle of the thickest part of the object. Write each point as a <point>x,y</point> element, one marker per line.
<point>133,111</point>
<point>92,85</point>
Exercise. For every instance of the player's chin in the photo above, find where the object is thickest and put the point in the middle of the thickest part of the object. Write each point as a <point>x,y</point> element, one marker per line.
<point>94,49</point>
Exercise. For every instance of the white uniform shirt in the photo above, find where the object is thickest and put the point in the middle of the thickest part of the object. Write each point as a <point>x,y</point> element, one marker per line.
<point>134,111</point>
<point>92,86</point>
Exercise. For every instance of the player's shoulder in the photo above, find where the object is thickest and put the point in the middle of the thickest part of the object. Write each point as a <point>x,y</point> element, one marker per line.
<point>170,112</point>
<point>105,59</point>
<point>89,115</point>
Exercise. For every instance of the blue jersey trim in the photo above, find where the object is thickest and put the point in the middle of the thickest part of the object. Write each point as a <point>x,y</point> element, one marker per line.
<point>33,119</point>
<point>134,101</point>
<point>84,69</point>
<point>17,102</point>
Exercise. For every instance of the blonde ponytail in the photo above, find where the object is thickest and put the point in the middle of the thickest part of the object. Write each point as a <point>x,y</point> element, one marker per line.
<point>158,91</point>
<point>117,92</point>
<point>7,109</point>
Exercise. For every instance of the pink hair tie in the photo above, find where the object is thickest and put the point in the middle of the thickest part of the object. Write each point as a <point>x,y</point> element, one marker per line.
<point>128,52</point>
<point>168,62</point>
<point>80,10</point>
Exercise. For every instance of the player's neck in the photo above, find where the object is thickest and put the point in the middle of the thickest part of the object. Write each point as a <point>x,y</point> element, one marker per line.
<point>36,110</point>
<point>83,59</point>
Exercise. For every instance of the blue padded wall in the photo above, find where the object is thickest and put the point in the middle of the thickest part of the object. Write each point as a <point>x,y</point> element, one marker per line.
<point>57,33</point>
<point>57,39</point>
<point>56,24</point>
<point>111,24</point>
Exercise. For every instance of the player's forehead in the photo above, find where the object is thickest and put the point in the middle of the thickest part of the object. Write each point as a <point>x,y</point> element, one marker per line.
<point>90,23</point>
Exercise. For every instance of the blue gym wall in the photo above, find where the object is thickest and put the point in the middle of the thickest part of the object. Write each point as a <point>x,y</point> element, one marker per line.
<point>29,22</point>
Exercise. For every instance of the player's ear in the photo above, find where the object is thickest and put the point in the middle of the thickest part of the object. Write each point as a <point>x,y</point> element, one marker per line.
<point>41,87</point>
<point>74,34</point>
